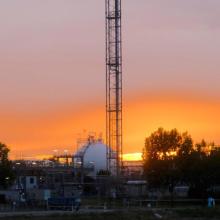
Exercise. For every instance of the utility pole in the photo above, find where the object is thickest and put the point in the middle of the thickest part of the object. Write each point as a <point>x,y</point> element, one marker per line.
<point>113,86</point>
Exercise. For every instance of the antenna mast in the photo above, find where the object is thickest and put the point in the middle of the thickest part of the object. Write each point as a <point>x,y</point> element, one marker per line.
<point>113,86</point>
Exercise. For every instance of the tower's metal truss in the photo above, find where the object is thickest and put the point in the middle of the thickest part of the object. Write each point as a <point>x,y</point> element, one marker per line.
<point>113,86</point>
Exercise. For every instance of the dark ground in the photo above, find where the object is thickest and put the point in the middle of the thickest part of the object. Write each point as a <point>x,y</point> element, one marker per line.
<point>141,214</point>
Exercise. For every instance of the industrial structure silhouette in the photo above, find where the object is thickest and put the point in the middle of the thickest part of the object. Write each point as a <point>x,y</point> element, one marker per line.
<point>113,86</point>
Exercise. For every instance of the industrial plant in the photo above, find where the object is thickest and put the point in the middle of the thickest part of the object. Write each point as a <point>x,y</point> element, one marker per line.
<point>44,183</point>
<point>96,176</point>
<point>96,168</point>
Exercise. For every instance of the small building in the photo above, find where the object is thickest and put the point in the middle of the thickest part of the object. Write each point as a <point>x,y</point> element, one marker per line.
<point>136,188</point>
<point>181,191</point>
<point>28,182</point>
<point>133,169</point>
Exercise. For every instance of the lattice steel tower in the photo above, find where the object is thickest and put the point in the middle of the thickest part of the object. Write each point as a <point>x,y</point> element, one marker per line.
<point>113,86</point>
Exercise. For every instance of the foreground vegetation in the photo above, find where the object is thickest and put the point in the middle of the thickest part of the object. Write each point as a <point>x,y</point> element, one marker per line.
<point>171,158</point>
<point>6,172</point>
<point>167,214</point>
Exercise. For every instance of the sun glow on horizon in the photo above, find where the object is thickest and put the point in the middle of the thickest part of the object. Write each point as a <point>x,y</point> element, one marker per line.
<point>132,157</point>
<point>142,116</point>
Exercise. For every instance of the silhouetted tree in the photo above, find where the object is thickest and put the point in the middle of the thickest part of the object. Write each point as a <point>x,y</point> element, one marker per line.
<point>6,172</point>
<point>162,153</point>
<point>170,158</point>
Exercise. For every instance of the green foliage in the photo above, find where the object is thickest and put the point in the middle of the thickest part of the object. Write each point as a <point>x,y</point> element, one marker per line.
<point>198,166</point>
<point>4,150</point>
<point>160,153</point>
<point>6,172</point>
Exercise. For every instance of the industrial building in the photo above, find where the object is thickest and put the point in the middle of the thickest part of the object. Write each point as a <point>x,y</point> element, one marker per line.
<point>95,168</point>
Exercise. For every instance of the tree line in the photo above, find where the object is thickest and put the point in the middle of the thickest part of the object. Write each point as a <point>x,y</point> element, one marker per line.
<point>171,158</point>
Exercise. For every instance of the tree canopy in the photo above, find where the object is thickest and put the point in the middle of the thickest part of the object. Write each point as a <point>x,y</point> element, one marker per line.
<point>6,172</point>
<point>171,158</point>
<point>165,145</point>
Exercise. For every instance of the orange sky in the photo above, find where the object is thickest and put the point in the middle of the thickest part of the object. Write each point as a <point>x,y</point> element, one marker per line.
<point>52,71</point>
<point>38,134</point>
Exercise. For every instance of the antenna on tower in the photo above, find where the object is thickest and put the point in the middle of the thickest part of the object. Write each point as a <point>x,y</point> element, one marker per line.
<point>113,86</point>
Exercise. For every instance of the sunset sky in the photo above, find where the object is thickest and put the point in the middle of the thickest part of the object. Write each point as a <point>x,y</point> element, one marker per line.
<point>52,71</point>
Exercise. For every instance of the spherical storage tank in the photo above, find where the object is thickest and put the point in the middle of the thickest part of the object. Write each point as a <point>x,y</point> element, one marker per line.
<point>95,155</point>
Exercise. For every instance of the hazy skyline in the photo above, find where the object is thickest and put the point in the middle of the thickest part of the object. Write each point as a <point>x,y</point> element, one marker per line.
<point>52,70</point>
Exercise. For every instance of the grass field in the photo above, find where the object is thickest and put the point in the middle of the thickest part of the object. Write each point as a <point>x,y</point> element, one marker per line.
<point>167,214</point>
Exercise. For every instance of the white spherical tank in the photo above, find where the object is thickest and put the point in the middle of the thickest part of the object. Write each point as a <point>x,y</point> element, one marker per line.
<point>95,155</point>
